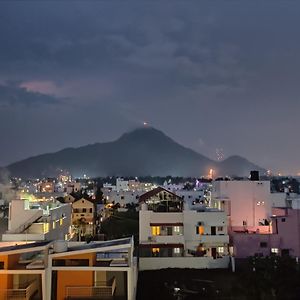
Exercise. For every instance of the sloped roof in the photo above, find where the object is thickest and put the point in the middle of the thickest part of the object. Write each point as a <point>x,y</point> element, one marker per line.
<point>25,247</point>
<point>154,192</point>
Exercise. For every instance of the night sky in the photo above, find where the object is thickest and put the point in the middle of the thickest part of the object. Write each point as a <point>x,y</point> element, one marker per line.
<point>212,75</point>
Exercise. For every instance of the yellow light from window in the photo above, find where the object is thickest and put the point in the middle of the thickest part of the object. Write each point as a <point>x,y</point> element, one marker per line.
<point>46,227</point>
<point>155,230</point>
<point>155,250</point>
<point>201,230</point>
<point>60,221</point>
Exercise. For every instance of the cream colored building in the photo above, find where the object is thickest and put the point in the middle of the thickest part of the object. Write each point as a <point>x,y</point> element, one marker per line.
<point>83,215</point>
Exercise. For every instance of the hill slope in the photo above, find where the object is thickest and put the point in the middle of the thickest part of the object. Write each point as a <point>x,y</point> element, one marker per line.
<point>144,151</point>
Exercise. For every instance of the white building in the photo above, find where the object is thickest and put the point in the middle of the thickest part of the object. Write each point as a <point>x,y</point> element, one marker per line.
<point>172,235</point>
<point>38,221</point>
<point>122,197</point>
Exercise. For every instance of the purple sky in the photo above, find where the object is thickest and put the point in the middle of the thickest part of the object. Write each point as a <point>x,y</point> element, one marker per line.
<point>211,75</point>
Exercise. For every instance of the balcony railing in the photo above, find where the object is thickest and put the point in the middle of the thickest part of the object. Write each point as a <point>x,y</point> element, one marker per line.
<point>101,289</point>
<point>21,293</point>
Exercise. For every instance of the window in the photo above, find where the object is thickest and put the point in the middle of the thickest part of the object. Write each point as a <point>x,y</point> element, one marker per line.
<point>176,250</point>
<point>91,210</point>
<point>53,224</point>
<point>84,210</point>
<point>155,230</point>
<point>285,252</point>
<point>60,221</point>
<point>1,265</point>
<point>220,228</point>
<point>176,229</point>
<point>244,223</point>
<point>275,250</point>
<point>122,197</point>
<point>221,249</point>
<point>200,230</point>
<point>155,251</point>
<point>283,220</point>
<point>263,244</point>
<point>46,227</point>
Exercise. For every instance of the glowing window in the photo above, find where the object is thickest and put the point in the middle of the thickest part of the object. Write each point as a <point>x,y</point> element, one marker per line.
<point>155,230</point>
<point>60,221</point>
<point>177,250</point>
<point>177,229</point>
<point>221,249</point>
<point>200,230</point>
<point>46,227</point>
<point>155,250</point>
<point>275,250</point>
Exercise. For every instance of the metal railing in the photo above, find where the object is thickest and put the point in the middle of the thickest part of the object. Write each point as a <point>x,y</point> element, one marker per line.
<point>101,289</point>
<point>21,293</point>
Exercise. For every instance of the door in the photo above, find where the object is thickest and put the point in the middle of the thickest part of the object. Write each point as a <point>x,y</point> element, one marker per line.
<point>213,230</point>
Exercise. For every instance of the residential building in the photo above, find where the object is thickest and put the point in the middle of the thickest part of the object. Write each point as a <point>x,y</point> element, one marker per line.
<point>67,270</point>
<point>246,202</point>
<point>23,270</point>
<point>83,212</point>
<point>172,235</point>
<point>38,221</point>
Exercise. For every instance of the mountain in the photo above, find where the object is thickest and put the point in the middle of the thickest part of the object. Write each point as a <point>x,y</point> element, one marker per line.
<point>142,152</point>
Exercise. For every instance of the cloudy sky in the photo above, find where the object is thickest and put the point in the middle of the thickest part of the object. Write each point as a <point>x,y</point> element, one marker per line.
<point>211,75</point>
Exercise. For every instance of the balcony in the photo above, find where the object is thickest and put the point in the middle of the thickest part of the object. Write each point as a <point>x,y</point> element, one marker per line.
<point>214,239</point>
<point>156,263</point>
<point>165,239</point>
<point>101,290</point>
<point>24,293</point>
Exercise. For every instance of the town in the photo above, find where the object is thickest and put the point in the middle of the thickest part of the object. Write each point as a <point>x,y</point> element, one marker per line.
<point>66,238</point>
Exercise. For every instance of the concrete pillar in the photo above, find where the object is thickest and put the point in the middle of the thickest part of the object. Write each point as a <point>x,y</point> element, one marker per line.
<point>129,284</point>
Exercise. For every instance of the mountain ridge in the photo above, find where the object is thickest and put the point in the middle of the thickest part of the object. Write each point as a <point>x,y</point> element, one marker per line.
<point>141,152</point>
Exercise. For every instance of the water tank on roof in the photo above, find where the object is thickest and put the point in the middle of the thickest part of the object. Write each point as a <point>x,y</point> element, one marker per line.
<point>60,246</point>
<point>254,176</point>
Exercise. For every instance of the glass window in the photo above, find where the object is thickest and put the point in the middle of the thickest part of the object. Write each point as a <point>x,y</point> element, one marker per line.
<point>263,244</point>
<point>221,249</point>
<point>274,250</point>
<point>176,229</point>
<point>155,230</point>
<point>177,250</point>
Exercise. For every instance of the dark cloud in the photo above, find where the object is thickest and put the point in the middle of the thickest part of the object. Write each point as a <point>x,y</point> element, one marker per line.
<point>227,70</point>
<point>11,94</point>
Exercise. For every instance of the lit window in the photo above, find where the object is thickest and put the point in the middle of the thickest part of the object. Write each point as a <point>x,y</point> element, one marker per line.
<point>66,237</point>
<point>155,250</point>
<point>60,221</point>
<point>221,249</point>
<point>177,250</point>
<point>155,230</point>
<point>200,230</point>
<point>176,229</point>
<point>46,227</point>
<point>53,224</point>
<point>275,250</point>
